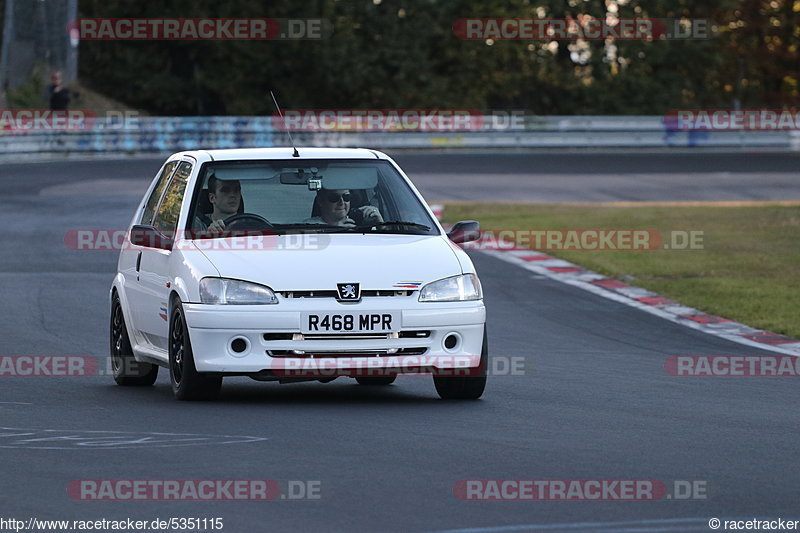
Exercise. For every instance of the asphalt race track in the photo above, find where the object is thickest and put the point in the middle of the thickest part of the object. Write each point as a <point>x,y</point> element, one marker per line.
<point>508,176</point>
<point>593,400</point>
<point>605,177</point>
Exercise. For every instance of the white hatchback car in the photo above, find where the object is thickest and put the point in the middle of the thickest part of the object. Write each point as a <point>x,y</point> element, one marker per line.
<point>286,265</point>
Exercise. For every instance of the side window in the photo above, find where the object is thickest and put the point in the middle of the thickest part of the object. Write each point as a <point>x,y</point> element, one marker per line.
<point>166,220</point>
<point>155,196</point>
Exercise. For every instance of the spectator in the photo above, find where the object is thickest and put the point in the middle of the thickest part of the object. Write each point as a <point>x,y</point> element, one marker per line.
<point>57,94</point>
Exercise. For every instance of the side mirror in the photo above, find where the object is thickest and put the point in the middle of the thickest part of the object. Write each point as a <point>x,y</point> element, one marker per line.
<point>465,231</point>
<point>149,237</point>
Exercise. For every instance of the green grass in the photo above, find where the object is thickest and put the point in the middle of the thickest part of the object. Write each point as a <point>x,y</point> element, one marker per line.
<point>31,95</point>
<point>748,269</point>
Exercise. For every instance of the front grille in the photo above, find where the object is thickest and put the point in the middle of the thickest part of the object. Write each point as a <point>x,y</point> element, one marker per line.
<point>278,336</point>
<point>414,334</point>
<point>332,294</point>
<point>346,353</point>
<point>345,336</point>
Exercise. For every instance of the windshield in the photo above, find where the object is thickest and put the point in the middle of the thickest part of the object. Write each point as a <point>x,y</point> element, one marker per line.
<point>310,196</point>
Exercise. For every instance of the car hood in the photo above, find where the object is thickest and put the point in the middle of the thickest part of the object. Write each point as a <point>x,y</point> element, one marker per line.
<point>320,261</point>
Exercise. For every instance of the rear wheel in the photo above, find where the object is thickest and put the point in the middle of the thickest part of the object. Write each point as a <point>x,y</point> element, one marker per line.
<point>127,371</point>
<point>467,387</point>
<point>385,380</point>
<point>187,382</point>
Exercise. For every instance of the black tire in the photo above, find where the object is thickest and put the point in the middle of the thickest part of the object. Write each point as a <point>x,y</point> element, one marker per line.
<point>467,387</point>
<point>187,383</point>
<point>374,381</point>
<point>127,371</point>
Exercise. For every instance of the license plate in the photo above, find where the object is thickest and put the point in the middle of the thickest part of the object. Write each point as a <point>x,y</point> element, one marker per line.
<point>349,322</point>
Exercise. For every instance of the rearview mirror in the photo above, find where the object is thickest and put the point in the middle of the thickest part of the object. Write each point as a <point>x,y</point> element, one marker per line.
<point>149,237</point>
<point>301,176</point>
<point>465,231</point>
<point>294,178</point>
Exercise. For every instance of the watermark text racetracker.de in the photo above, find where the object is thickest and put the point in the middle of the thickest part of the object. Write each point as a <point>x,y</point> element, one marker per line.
<point>579,490</point>
<point>393,365</point>
<point>193,490</point>
<point>121,239</point>
<point>583,27</point>
<point>732,120</point>
<point>203,29</point>
<point>725,366</point>
<point>587,239</point>
<point>397,120</point>
<point>62,366</point>
<point>48,366</point>
<point>70,120</point>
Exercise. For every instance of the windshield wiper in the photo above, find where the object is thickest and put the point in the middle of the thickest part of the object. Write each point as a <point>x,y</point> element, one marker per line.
<point>394,223</point>
<point>306,226</point>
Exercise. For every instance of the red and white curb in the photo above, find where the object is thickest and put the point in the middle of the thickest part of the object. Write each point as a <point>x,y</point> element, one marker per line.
<point>647,301</point>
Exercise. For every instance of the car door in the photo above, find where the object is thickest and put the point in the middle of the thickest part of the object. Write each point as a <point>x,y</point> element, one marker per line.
<point>152,315</point>
<point>131,255</point>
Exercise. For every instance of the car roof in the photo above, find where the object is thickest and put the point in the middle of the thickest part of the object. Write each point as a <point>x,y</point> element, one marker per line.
<point>239,154</point>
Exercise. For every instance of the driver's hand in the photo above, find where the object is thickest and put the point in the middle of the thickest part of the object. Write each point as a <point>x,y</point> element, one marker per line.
<point>216,227</point>
<point>370,214</point>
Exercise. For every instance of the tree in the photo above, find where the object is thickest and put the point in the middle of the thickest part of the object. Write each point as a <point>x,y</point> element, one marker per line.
<point>388,54</point>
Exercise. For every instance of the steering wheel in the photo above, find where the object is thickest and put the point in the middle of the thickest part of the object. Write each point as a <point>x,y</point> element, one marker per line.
<point>247,221</point>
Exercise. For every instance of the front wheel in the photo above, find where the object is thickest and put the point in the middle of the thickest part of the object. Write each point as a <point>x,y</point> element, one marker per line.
<point>127,371</point>
<point>467,387</point>
<point>187,382</point>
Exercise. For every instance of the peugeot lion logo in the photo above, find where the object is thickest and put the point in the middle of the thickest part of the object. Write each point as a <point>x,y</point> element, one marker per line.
<point>348,292</point>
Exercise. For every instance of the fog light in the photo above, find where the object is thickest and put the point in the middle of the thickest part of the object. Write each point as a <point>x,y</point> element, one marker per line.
<point>451,341</point>
<point>239,345</point>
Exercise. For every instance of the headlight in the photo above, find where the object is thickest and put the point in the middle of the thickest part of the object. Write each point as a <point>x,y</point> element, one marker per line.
<point>455,289</point>
<point>235,292</point>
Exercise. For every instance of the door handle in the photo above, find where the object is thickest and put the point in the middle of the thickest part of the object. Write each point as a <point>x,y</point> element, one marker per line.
<point>138,264</point>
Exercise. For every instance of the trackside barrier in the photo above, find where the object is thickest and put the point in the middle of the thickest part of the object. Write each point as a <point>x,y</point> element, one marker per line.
<point>172,134</point>
<point>794,141</point>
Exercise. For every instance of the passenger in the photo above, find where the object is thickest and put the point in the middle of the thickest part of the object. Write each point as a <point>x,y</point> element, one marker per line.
<point>334,207</point>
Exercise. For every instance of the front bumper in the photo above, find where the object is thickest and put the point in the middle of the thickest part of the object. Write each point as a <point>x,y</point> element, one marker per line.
<point>273,344</point>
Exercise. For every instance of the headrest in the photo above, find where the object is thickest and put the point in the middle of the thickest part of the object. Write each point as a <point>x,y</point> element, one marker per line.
<point>204,206</point>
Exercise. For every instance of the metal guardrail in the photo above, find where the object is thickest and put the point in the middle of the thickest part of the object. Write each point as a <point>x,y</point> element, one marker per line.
<point>172,134</point>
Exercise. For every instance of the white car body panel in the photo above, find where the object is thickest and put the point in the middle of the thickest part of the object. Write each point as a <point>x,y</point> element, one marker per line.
<point>376,261</point>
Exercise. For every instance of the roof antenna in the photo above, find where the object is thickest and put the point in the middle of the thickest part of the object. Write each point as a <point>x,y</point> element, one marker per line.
<point>295,153</point>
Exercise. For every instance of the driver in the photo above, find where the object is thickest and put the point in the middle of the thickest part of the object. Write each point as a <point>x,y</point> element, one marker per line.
<point>334,206</point>
<point>226,197</point>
